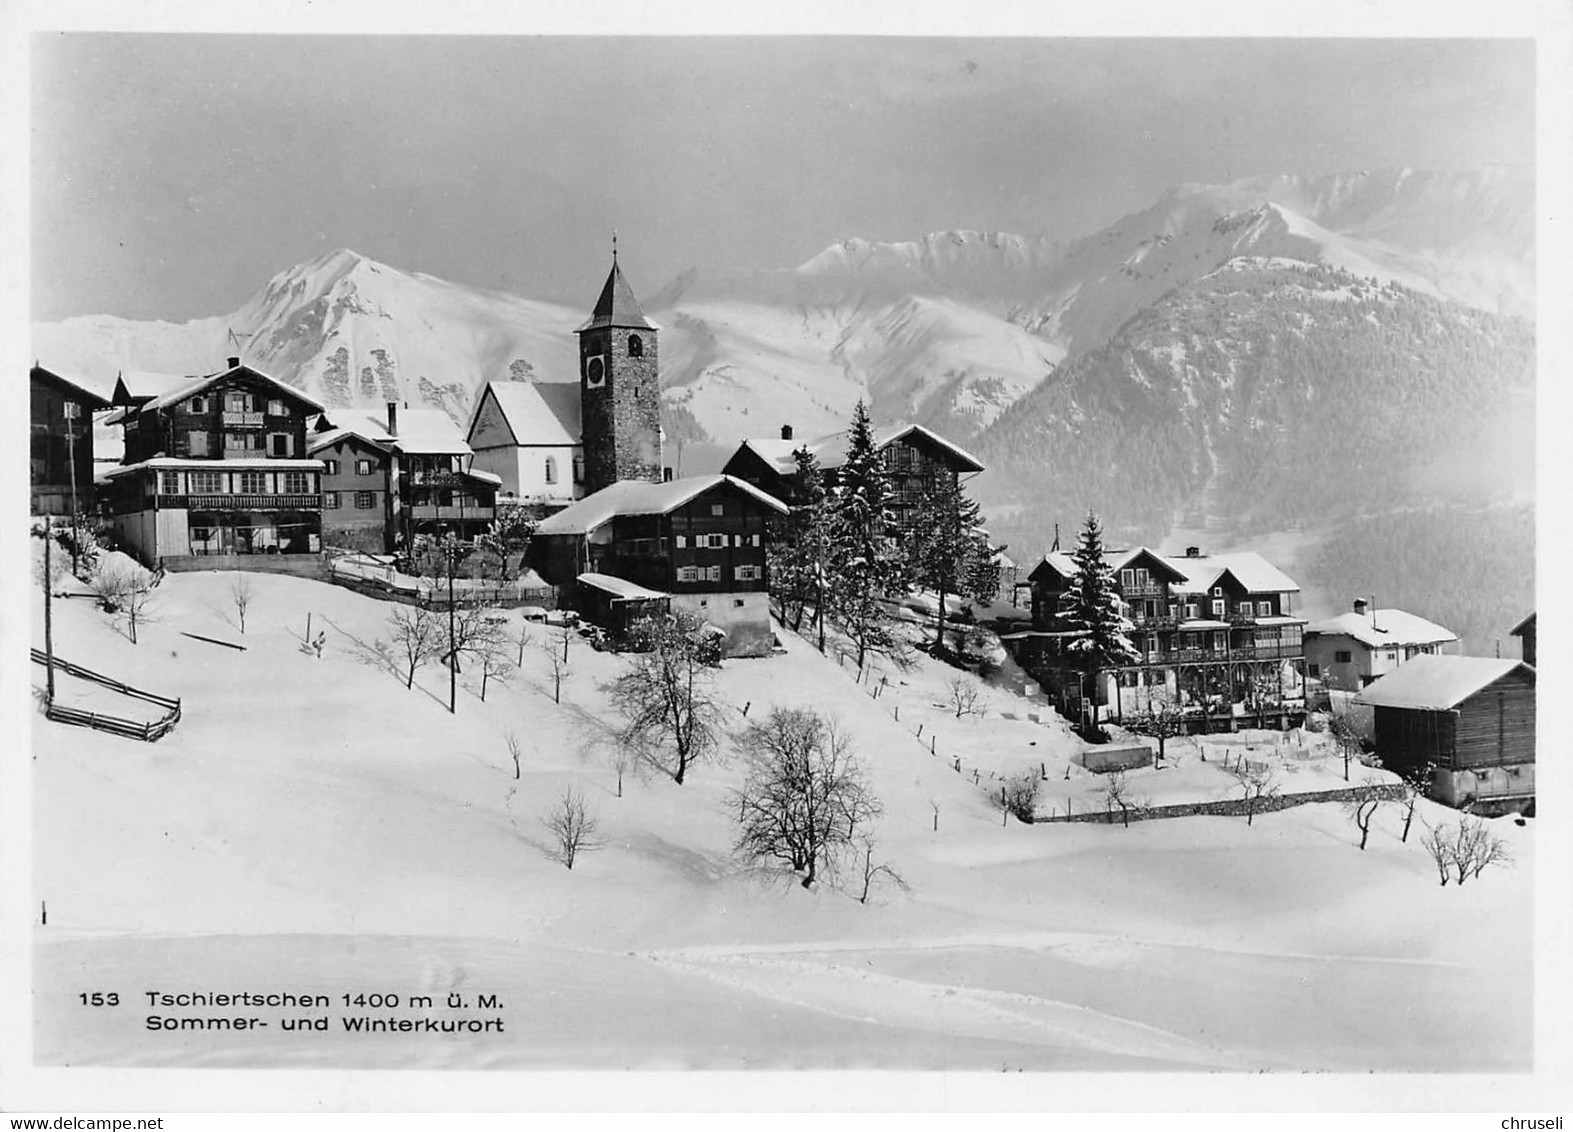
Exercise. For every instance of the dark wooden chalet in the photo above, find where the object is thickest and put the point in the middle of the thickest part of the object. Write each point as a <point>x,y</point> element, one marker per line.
<point>1215,635</point>
<point>1471,717</point>
<point>699,539</point>
<point>1525,632</point>
<point>916,459</point>
<point>61,444</point>
<point>216,467</point>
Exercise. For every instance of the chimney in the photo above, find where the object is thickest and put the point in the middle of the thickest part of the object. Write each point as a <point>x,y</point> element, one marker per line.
<point>234,363</point>
<point>1360,604</point>
<point>1193,552</point>
<point>666,475</point>
<point>393,418</point>
<point>786,432</point>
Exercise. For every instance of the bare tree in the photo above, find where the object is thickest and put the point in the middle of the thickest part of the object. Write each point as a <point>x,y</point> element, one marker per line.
<point>1116,792</point>
<point>416,636</point>
<point>572,825</point>
<point>240,592</point>
<point>1018,797</point>
<point>515,749</point>
<point>1257,782</point>
<point>874,870</point>
<point>963,695</point>
<point>488,645</point>
<point>1350,736</point>
<point>1416,781</point>
<point>126,590</point>
<point>804,798</point>
<point>1162,720</point>
<point>622,759</point>
<point>557,661</point>
<point>667,698</point>
<point>1489,850</point>
<point>1474,847</point>
<point>524,639</point>
<point>1362,810</point>
<point>1438,842</point>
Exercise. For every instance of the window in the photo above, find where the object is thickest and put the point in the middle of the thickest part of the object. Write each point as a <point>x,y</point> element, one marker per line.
<point>330,467</point>
<point>1127,578</point>
<point>714,542</point>
<point>718,509</point>
<point>747,573</point>
<point>197,405</point>
<point>1220,640</point>
<point>237,402</point>
<point>1263,609</point>
<point>551,469</point>
<point>1218,608</point>
<point>330,500</point>
<point>713,574</point>
<point>635,346</point>
<point>363,467</point>
<point>204,482</point>
<point>1342,656</point>
<point>1314,669</point>
<point>253,483</point>
<point>169,483</point>
<point>281,444</point>
<point>737,603</point>
<point>365,500</point>
<point>578,469</point>
<point>1190,609</point>
<point>276,407</point>
<point>241,442</point>
<point>296,483</point>
<point>688,573</point>
<point>1217,591</point>
<point>1141,576</point>
<point>197,443</point>
<point>681,541</point>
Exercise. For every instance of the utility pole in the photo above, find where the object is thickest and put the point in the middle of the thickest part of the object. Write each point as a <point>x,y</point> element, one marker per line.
<point>76,533</point>
<point>450,550</point>
<point>49,621</point>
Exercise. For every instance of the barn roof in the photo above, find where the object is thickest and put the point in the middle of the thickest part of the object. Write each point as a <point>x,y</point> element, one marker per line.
<point>87,396</point>
<point>1437,683</point>
<point>637,497</point>
<point>620,588</point>
<point>1384,627</point>
<point>831,450</point>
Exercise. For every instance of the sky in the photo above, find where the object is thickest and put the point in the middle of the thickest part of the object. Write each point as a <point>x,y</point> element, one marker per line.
<point>173,174</point>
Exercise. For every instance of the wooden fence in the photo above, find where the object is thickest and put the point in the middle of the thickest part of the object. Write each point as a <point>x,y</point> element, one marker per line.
<point>113,724</point>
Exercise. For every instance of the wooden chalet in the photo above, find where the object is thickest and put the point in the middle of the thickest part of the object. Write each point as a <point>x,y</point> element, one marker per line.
<point>915,459</point>
<point>1525,632</point>
<point>1471,717</point>
<point>1216,636</point>
<point>215,468</point>
<point>700,539</point>
<point>60,448</point>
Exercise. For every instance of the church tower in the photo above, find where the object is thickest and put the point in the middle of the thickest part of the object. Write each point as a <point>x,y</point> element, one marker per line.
<point>619,389</point>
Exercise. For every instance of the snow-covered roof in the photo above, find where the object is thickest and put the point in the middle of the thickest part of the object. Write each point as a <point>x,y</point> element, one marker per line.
<point>831,450</point>
<point>1525,626</point>
<point>1250,569</point>
<point>271,463</point>
<point>89,397</point>
<point>316,441</point>
<point>1437,683</point>
<point>141,383</point>
<point>537,412</point>
<point>1270,622</point>
<point>1199,625</point>
<point>421,432</point>
<point>191,386</point>
<point>488,477</point>
<point>636,497</point>
<point>620,588</point>
<point>1383,627</point>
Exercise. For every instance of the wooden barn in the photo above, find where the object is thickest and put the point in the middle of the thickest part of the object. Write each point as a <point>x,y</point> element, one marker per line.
<point>1471,717</point>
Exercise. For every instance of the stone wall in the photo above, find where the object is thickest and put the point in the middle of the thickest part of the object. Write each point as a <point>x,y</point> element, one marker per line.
<point>300,565</point>
<point>1231,807</point>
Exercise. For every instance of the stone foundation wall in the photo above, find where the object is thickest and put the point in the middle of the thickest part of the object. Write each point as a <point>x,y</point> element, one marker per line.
<point>1232,807</point>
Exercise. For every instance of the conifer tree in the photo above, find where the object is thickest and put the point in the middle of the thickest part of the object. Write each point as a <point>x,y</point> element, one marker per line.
<point>948,551</point>
<point>1093,610</point>
<point>798,550</point>
<point>864,563</point>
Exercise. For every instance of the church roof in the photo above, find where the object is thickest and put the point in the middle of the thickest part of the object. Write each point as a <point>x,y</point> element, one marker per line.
<point>617,305</point>
<point>544,413</point>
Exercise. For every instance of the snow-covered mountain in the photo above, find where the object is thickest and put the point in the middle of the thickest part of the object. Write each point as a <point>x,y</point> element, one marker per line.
<point>348,331</point>
<point>948,330</point>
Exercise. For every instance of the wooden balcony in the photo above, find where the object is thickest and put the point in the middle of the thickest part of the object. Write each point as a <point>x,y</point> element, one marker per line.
<point>226,502</point>
<point>241,420</point>
<point>426,511</point>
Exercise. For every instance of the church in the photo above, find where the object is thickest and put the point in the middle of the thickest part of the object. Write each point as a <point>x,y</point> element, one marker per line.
<point>699,541</point>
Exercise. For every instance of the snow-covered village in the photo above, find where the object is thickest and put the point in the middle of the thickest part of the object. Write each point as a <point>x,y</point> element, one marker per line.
<point>964,653</point>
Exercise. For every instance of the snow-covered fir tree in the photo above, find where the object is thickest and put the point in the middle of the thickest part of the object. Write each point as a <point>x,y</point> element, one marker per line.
<point>1092,608</point>
<point>865,564</point>
<point>798,550</point>
<point>948,550</point>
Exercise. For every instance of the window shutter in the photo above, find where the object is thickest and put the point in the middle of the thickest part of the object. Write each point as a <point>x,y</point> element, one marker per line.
<point>682,544</point>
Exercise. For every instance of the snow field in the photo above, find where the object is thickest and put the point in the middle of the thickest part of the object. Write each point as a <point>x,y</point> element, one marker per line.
<point>311,823</point>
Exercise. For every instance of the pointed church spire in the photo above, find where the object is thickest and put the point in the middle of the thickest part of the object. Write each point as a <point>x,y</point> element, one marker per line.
<point>617,305</point>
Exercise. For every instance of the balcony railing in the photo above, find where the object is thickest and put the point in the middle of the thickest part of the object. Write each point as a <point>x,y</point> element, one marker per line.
<point>258,502</point>
<point>242,454</point>
<point>431,511</point>
<point>242,420</point>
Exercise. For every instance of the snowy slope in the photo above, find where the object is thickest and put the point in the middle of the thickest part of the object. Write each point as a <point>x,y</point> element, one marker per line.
<point>313,826</point>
